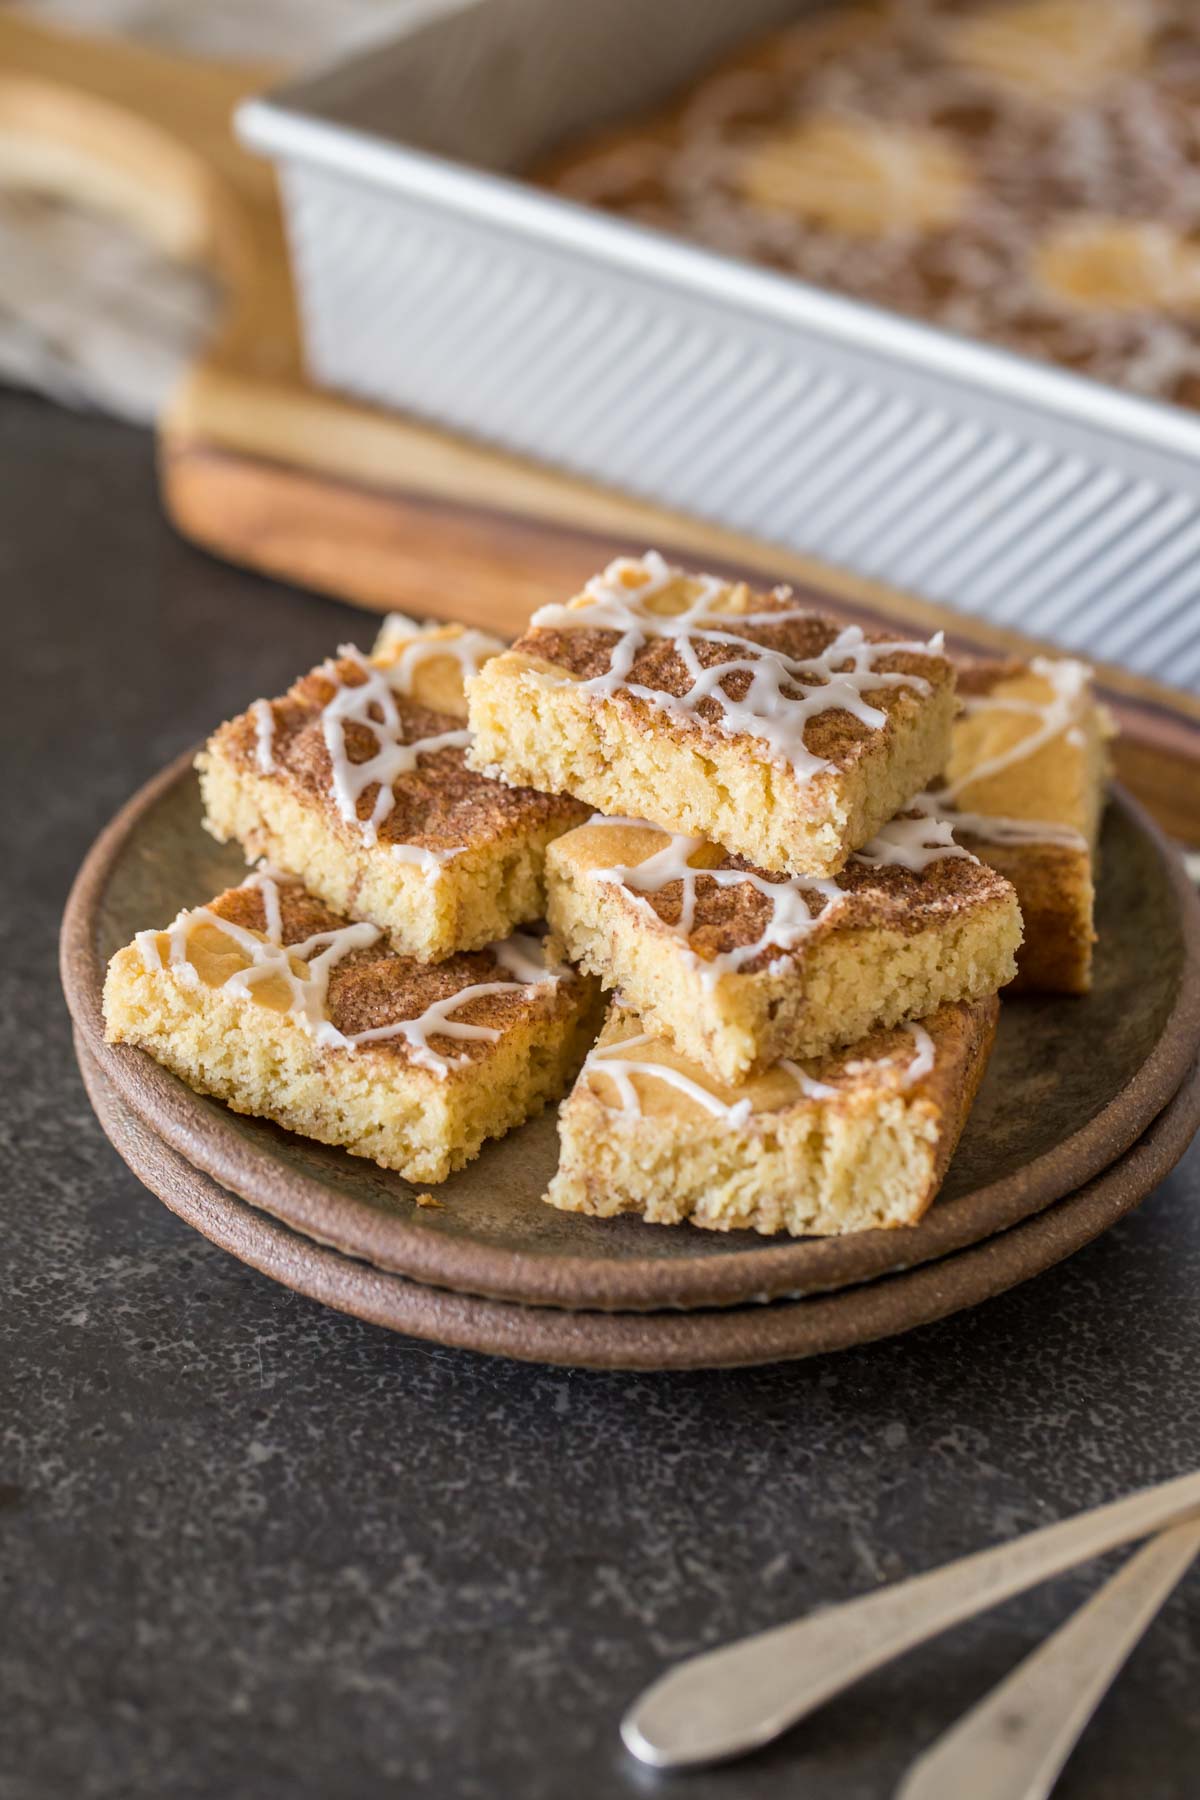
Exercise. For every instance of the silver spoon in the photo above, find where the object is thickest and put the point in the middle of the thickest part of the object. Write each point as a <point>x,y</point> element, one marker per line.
<point>1013,1745</point>
<point>728,1701</point>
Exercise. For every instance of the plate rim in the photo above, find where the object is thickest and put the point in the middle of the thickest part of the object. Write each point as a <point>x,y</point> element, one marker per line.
<point>766,1270</point>
<point>653,1342</point>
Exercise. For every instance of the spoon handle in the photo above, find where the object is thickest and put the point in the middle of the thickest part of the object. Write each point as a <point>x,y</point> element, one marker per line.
<point>734,1699</point>
<point>1013,1745</point>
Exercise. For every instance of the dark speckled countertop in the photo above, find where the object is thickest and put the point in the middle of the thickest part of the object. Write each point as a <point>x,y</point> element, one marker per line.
<point>249,1548</point>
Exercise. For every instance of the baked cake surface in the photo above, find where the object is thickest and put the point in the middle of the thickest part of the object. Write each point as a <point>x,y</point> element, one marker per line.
<point>1024,789</point>
<point>430,663</point>
<point>1023,171</point>
<point>738,968</point>
<point>711,710</point>
<point>857,1140</point>
<point>281,1007</point>
<point>355,781</point>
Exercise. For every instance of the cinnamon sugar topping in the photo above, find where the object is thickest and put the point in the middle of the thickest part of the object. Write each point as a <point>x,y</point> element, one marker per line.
<point>260,929</point>
<point>391,768</point>
<point>694,648</point>
<point>1022,171</point>
<point>730,917</point>
<point>370,704</point>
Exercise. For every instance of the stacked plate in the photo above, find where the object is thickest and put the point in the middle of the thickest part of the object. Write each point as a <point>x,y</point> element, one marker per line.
<point>1086,1105</point>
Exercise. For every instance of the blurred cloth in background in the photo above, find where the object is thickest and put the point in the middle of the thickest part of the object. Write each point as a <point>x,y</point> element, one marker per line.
<point>92,314</point>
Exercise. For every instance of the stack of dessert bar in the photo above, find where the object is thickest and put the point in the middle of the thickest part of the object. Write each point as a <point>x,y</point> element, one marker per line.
<point>369,984</point>
<point>795,853</point>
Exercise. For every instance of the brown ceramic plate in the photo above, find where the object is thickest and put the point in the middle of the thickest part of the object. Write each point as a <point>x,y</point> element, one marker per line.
<point>725,1338</point>
<point>1071,1086</point>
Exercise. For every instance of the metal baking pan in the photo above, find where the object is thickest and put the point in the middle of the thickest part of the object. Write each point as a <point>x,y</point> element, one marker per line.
<point>433,280</point>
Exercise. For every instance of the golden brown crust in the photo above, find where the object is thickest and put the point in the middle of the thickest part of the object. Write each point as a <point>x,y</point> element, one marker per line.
<point>1055,889</point>
<point>969,1032</point>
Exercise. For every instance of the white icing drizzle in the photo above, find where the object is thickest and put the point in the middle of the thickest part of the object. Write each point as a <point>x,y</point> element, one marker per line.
<point>436,1021</point>
<point>469,648</point>
<point>771,710</point>
<point>1068,680</point>
<point>924,1061</point>
<point>264,736</point>
<point>913,842</point>
<point>809,1086</point>
<point>268,881</point>
<point>268,955</point>
<point>374,695</point>
<point>620,1070</point>
<point>609,1060</point>
<point>989,828</point>
<point>788,922</point>
<point>920,1065</point>
<point>430,862</point>
<point>522,956</point>
<point>903,843</point>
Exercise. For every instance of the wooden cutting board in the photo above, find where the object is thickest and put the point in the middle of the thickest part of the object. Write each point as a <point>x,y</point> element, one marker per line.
<point>259,466</point>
